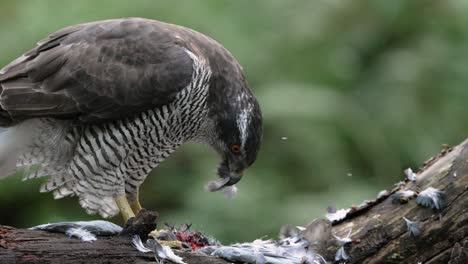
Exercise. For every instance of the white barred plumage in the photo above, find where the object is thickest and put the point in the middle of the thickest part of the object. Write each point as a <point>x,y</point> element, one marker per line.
<point>97,162</point>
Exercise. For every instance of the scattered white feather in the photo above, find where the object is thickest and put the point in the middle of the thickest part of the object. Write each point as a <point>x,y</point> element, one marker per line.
<point>382,194</point>
<point>337,215</point>
<point>138,244</point>
<point>216,185</point>
<point>341,255</point>
<point>291,250</point>
<point>402,196</point>
<point>400,184</point>
<point>410,175</point>
<point>364,204</point>
<point>230,192</point>
<point>233,253</point>
<point>284,138</point>
<point>96,227</point>
<point>413,227</point>
<point>431,198</point>
<point>101,227</point>
<point>220,184</point>
<point>301,228</point>
<point>344,240</point>
<point>82,234</point>
<point>163,252</point>
<point>406,193</point>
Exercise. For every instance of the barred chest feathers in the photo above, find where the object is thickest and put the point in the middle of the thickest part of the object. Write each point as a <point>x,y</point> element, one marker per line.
<point>98,162</point>
<point>96,106</point>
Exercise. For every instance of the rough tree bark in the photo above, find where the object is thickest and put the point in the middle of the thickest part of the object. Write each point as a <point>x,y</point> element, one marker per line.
<point>379,233</point>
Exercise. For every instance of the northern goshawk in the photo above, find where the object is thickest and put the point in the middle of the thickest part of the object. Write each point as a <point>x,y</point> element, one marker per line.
<point>99,105</point>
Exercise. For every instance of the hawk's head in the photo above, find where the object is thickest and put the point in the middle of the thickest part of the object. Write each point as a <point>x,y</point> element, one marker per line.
<point>236,126</point>
<point>238,130</point>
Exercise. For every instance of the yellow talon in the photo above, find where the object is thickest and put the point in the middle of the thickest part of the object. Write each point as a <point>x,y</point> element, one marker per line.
<point>124,207</point>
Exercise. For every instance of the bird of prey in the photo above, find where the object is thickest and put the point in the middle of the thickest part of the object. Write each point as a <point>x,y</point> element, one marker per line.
<point>97,106</point>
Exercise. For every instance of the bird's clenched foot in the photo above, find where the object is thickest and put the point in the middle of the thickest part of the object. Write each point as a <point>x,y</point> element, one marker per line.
<point>141,224</point>
<point>167,238</point>
<point>130,206</point>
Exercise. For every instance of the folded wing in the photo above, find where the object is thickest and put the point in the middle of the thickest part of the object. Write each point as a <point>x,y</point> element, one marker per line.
<point>95,72</point>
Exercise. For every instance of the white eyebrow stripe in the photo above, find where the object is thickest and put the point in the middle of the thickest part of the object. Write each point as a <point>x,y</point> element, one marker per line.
<point>243,121</point>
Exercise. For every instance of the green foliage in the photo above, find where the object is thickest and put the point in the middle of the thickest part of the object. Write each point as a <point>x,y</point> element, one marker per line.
<point>352,93</point>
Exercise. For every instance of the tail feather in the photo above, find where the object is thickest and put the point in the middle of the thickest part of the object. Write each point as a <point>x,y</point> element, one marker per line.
<point>12,141</point>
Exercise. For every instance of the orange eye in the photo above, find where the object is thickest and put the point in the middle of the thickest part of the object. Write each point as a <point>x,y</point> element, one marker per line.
<point>235,149</point>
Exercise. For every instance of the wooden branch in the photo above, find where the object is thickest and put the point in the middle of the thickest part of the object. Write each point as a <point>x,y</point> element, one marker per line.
<point>379,233</point>
<point>27,246</point>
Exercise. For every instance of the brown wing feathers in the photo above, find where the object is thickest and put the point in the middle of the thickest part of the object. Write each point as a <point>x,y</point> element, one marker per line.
<point>97,71</point>
<point>20,82</point>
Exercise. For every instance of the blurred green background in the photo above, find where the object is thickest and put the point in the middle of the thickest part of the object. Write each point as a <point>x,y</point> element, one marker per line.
<point>353,92</point>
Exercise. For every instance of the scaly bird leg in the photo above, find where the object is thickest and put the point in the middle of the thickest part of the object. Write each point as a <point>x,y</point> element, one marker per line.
<point>124,207</point>
<point>134,202</point>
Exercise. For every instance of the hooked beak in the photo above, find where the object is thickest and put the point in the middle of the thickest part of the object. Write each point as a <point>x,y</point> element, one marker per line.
<point>229,174</point>
<point>234,178</point>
